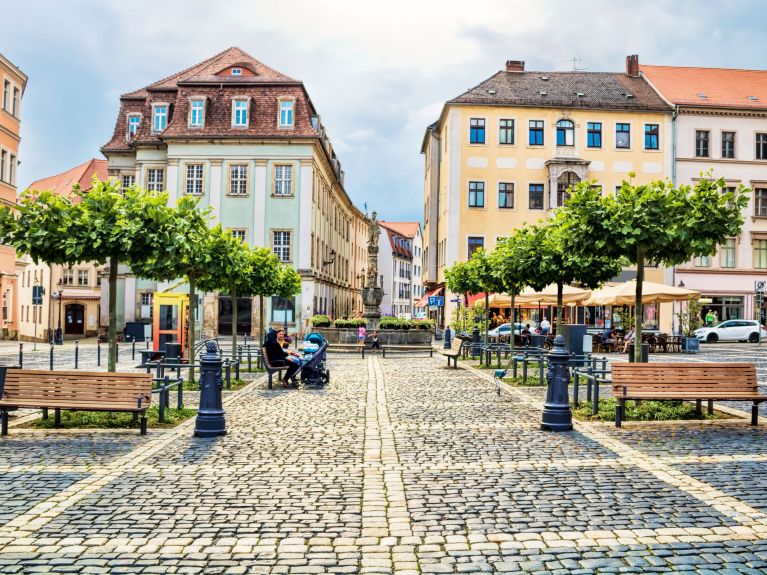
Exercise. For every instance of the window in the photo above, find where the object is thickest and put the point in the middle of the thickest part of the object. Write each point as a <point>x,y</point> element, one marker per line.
<point>476,194</point>
<point>623,136</point>
<point>283,309</point>
<point>68,277</point>
<point>760,202</point>
<point>160,118</point>
<point>82,277</point>
<point>505,195</point>
<point>536,133</point>
<point>286,113</point>
<point>475,244</point>
<point>236,71</point>
<point>238,179</point>
<point>727,253</point>
<point>194,179</point>
<point>281,245</point>
<point>535,197</point>
<point>134,121</point>
<point>728,145</point>
<point>3,162</point>
<point>155,180</point>
<point>564,184</point>
<point>239,234</point>
<point>240,113</point>
<point>506,132</point>
<point>126,181</point>
<point>11,169</point>
<point>197,112</point>
<point>283,180</point>
<point>761,146</point>
<point>651,132</point>
<point>760,254</point>
<point>477,131</point>
<point>146,298</point>
<point>565,133</point>
<point>701,262</point>
<point>701,143</point>
<point>7,95</point>
<point>16,102</point>
<point>594,135</point>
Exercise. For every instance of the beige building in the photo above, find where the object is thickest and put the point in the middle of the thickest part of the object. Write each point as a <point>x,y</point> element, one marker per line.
<point>12,84</point>
<point>70,295</point>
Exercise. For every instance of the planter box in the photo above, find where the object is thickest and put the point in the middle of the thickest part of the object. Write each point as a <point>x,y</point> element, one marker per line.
<point>385,336</point>
<point>690,345</point>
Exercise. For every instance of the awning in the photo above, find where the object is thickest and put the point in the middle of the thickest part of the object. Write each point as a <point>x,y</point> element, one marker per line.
<point>424,301</point>
<point>72,295</point>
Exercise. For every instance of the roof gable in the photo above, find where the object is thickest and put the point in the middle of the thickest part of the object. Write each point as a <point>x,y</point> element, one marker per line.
<point>83,174</point>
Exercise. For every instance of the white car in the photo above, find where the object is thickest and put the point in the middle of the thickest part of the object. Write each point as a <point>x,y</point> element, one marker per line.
<point>504,330</point>
<point>732,330</point>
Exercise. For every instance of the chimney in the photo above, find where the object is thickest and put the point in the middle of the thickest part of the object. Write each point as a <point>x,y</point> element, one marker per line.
<point>632,65</point>
<point>515,65</point>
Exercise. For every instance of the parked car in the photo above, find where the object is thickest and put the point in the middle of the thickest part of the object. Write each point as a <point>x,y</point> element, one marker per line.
<point>505,329</point>
<point>732,330</point>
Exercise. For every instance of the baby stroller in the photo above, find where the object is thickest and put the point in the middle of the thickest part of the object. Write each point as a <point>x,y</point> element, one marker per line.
<point>313,371</point>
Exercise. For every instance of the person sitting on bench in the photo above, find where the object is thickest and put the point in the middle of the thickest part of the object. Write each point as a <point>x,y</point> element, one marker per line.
<point>278,357</point>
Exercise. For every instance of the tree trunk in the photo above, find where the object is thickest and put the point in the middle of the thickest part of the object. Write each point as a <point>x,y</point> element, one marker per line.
<point>560,299</point>
<point>112,329</point>
<point>513,295</point>
<point>487,317</point>
<point>638,310</point>
<point>191,324</point>
<point>233,296</point>
<point>261,334</point>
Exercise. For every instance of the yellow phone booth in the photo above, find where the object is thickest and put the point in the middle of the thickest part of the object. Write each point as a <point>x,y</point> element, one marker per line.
<point>171,321</point>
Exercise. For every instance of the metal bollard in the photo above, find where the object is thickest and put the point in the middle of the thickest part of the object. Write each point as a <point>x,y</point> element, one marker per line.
<point>540,370</point>
<point>576,383</point>
<point>147,343</point>
<point>133,350</point>
<point>77,352</point>
<point>210,420</point>
<point>161,407</point>
<point>514,367</point>
<point>524,369</point>
<point>250,362</point>
<point>180,398</point>
<point>98,353</point>
<point>21,355</point>
<point>228,367</point>
<point>557,415</point>
<point>237,369</point>
<point>595,408</point>
<point>51,358</point>
<point>117,352</point>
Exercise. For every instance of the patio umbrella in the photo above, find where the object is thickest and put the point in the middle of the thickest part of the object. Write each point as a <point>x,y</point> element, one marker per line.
<point>570,294</point>
<point>652,292</point>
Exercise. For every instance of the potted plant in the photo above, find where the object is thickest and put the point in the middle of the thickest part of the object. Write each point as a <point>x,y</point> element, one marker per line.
<point>689,321</point>
<point>320,321</point>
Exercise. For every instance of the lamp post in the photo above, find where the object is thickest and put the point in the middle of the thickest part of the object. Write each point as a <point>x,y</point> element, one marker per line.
<point>556,414</point>
<point>681,285</point>
<point>331,260</point>
<point>59,339</point>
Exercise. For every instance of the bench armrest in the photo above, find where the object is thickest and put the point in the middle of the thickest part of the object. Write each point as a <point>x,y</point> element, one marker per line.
<point>141,398</point>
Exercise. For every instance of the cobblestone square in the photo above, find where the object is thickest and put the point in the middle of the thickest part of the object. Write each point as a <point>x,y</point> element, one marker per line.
<point>398,466</point>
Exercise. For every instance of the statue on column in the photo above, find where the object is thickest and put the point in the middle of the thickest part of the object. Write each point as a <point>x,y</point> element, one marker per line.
<point>372,293</point>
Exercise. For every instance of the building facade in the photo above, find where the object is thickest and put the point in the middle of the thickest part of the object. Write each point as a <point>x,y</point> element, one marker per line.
<point>13,82</point>
<point>247,141</point>
<point>70,294</point>
<point>399,264</point>
<point>720,125</point>
<point>504,154</point>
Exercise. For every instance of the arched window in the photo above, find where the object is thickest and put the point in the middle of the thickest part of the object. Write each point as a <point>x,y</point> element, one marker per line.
<point>565,133</point>
<point>564,183</point>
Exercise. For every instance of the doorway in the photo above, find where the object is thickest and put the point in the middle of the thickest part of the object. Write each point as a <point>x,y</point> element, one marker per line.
<point>74,319</point>
<point>244,315</point>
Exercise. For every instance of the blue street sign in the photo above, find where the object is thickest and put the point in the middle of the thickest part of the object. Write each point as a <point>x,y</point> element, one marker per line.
<point>440,301</point>
<point>436,301</point>
<point>37,295</point>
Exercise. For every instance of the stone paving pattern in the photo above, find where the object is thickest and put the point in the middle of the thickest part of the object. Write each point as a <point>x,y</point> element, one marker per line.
<point>399,466</point>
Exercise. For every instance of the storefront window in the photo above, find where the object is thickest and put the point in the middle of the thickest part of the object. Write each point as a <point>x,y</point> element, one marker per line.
<point>725,307</point>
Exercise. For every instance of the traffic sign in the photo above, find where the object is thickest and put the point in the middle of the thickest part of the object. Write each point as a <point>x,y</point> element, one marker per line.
<point>37,295</point>
<point>436,301</point>
<point>759,286</point>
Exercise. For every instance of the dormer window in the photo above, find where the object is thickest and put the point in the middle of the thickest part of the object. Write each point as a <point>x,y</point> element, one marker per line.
<point>134,121</point>
<point>236,71</point>
<point>159,117</point>
<point>240,112</point>
<point>286,113</point>
<point>196,112</point>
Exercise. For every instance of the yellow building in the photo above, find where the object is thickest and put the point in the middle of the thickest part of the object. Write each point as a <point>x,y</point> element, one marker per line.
<point>505,152</point>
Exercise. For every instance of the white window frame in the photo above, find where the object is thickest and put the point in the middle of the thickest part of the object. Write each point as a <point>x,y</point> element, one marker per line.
<point>83,274</point>
<point>153,185</point>
<point>7,94</point>
<point>196,179</point>
<point>282,249</point>
<point>238,183</point>
<point>127,180</point>
<point>156,114</point>
<point>236,72</point>
<point>138,124</point>
<point>192,110</point>
<point>67,277</point>
<point>283,186</point>
<point>240,234</point>
<point>12,161</point>
<point>246,110</point>
<point>3,163</point>
<point>291,108</point>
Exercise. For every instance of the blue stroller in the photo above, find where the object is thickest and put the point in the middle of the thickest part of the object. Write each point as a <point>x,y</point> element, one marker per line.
<point>313,371</point>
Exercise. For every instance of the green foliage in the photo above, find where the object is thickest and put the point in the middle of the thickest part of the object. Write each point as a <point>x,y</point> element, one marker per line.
<point>462,320</point>
<point>99,419</point>
<point>646,411</point>
<point>390,323</point>
<point>691,318</point>
<point>288,282</point>
<point>349,323</point>
<point>626,317</point>
<point>320,321</point>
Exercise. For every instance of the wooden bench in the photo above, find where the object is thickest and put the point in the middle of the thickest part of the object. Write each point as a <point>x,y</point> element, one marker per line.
<point>271,369</point>
<point>76,391</point>
<point>453,352</point>
<point>407,349</point>
<point>686,381</point>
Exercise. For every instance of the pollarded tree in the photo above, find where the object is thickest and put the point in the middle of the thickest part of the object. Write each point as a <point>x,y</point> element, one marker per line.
<point>653,222</point>
<point>262,282</point>
<point>514,262</point>
<point>288,284</point>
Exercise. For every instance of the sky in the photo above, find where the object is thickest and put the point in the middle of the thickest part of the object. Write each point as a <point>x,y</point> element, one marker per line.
<point>378,73</point>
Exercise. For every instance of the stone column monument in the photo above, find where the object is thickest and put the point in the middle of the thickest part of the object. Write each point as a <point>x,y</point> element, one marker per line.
<point>372,293</point>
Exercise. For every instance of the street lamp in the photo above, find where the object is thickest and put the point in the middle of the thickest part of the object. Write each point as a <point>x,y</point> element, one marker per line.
<point>59,339</point>
<point>680,285</point>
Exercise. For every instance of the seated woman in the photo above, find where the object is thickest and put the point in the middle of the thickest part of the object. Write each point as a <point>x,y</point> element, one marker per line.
<point>278,357</point>
<point>628,340</point>
<point>526,335</point>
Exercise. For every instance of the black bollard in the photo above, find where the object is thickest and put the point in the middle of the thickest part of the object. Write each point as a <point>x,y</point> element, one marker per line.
<point>117,352</point>
<point>98,353</point>
<point>556,411</point>
<point>133,350</point>
<point>475,344</point>
<point>21,356</point>
<point>210,415</point>
<point>447,341</point>
<point>77,353</point>
<point>51,358</point>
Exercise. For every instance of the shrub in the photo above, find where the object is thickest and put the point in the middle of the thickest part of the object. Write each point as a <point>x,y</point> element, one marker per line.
<point>350,323</point>
<point>390,323</point>
<point>423,324</point>
<point>320,321</point>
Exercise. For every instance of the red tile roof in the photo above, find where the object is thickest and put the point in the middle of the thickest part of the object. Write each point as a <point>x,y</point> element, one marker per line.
<point>722,87</point>
<point>397,249</point>
<point>406,229</point>
<point>83,174</point>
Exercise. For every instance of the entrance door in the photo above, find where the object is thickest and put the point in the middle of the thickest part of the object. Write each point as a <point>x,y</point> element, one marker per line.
<point>74,319</point>
<point>244,315</point>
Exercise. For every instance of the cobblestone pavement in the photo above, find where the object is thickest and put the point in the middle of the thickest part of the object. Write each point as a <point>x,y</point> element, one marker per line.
<point>399,466</point>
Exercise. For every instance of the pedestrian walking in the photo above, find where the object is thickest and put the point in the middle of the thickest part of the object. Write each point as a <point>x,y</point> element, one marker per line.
<point>362,333</point>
